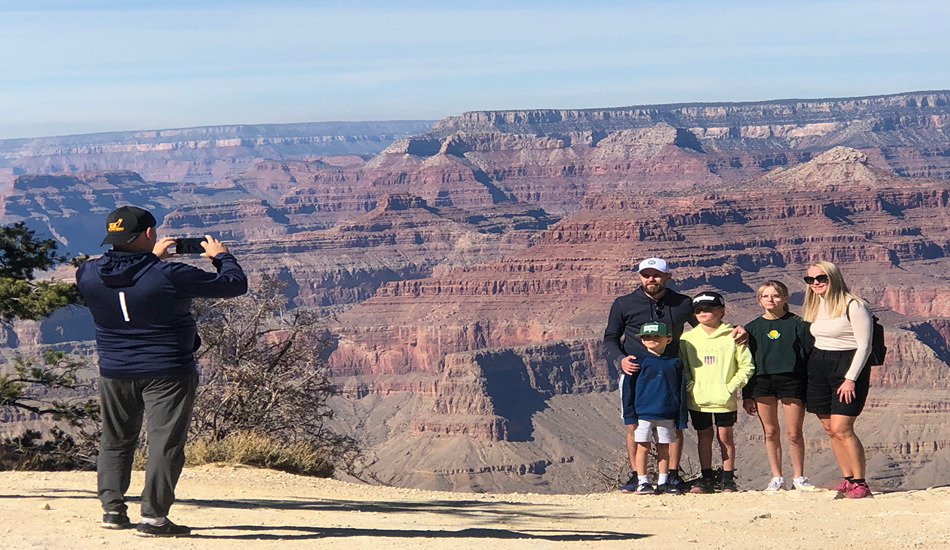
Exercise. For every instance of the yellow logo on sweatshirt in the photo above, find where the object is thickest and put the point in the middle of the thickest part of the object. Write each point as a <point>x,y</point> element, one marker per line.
<point>774,334</point>
<point>116,226</point>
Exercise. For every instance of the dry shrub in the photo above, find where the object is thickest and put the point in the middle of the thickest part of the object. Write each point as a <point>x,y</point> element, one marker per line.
<point>253,449</point>
<point>263,370</point>
<point>262,400</point>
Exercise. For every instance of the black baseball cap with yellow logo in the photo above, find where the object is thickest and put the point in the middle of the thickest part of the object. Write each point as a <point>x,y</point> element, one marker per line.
<point>126,223</point>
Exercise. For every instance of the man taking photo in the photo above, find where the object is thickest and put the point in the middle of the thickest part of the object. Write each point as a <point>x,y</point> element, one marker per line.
<point>146,338</point>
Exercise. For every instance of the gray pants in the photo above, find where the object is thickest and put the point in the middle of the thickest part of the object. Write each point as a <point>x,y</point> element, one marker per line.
<point>166,405</point>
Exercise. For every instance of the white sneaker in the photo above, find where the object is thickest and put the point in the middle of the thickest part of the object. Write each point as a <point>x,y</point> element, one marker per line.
<point>777,484</point>
<point>801,484</point>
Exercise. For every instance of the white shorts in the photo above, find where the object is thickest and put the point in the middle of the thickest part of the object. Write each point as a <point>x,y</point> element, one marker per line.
<point>664,429</point>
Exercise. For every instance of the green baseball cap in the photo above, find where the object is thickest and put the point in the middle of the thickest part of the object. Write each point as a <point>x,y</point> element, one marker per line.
<point>654,327</point>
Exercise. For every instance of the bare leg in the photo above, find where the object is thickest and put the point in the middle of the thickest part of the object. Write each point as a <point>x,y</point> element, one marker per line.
<point>704,447</point>
<point>767,411</point>
<point>851,448</point>
<point>632,447</point>
<point>643,453</point>
<point>794,418</point>
<point>663,458</point>
<point>676,450</point>
<point>727,445</point>
<point>840,455</point>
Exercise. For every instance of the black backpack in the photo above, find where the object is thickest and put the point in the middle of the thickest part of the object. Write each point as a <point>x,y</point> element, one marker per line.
<point>878,349</point>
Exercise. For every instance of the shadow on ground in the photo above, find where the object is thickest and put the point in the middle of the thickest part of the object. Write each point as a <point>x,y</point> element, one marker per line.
<point>296,532</point>
<point>477,511</point>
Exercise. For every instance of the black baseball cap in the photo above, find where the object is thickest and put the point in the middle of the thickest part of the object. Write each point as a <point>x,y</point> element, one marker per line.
<point>708,299</point>
<point>126,223</point>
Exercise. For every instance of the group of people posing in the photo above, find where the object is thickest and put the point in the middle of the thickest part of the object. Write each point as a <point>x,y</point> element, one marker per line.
<point>815,362</point>
<point>146,338</point>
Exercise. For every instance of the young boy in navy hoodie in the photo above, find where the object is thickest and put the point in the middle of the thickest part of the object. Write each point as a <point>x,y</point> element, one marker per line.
<point>658,406</point>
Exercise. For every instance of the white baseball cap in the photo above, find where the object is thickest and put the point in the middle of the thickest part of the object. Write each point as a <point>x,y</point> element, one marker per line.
<point>654,263</point>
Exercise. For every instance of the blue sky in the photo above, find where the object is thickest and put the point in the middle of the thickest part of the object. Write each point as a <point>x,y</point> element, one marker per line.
<point>79,66</point>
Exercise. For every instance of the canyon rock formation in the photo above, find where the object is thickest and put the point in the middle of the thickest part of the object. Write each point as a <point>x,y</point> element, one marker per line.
<point>198,155</point>
<point>470,267</point>
<point>488,346</point>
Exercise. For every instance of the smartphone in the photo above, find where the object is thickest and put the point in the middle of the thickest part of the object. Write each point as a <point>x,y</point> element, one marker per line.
<point>189,245</point>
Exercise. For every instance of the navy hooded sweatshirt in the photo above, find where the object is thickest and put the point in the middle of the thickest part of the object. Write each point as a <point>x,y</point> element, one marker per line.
<point>141,306</point>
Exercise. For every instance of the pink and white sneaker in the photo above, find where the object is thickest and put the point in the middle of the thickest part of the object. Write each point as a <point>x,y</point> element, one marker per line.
<point>843,486</point>
<point>858,490</point>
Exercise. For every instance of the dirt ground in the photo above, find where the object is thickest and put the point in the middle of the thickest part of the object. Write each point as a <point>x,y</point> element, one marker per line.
<point>226,505</point>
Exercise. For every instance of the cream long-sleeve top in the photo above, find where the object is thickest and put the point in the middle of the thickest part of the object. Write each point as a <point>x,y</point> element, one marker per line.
<point>844,333</point>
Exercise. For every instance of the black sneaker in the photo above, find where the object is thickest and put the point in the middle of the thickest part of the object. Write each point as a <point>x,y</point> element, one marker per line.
<point>729,487</point>
<point>680,484</point>
<point>115,520</point>
<point>645,489</point>
<point>668,489</point>
<point>631,485</point>
<point>705,485</point>
<point>167,529</point>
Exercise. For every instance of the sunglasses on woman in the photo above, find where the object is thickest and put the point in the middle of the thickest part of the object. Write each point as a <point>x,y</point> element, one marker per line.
<point>819,279</point>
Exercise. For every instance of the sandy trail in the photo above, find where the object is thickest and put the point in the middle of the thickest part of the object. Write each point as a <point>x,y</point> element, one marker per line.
<point>228,505</point>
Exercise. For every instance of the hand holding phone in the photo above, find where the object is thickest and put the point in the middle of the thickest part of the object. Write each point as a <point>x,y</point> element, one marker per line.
<point>189,245</point>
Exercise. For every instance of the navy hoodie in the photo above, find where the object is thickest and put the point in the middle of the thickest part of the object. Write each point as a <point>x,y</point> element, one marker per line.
<point>658,391</point>
<point>142,309</point>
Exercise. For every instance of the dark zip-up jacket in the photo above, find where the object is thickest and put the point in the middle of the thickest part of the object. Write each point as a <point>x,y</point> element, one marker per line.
<point>141,306</point>
<point>629,312</point>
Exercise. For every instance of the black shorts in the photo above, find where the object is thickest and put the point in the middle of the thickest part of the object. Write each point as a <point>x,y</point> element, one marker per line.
<point>826,370</point>
<point>702,420</point>
<point>786,385</point>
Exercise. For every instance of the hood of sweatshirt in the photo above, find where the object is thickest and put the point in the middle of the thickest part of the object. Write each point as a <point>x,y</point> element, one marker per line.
<point>724,329</point>
<point>122,269</point>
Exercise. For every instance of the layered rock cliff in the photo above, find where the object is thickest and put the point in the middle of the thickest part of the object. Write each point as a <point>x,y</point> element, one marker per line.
<point>896,120</point>
<point>470,317</point>
<point>467,341</point>
<point>198,155</point>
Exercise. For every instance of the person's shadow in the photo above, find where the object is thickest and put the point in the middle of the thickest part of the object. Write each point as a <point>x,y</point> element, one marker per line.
<point>478,512</point>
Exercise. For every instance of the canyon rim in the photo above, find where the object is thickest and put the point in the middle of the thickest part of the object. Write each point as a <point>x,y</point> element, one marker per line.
<point>470,262</point>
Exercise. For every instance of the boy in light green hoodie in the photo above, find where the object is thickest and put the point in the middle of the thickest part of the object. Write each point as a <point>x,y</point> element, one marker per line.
<point>715,370</point>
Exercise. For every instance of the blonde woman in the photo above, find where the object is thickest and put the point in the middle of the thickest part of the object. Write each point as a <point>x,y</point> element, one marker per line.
<point>780,342</point>
<point>838,375</point>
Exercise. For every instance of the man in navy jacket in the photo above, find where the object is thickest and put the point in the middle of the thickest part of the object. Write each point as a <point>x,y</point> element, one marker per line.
<point>146,338</point>
<point>652,301</point>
